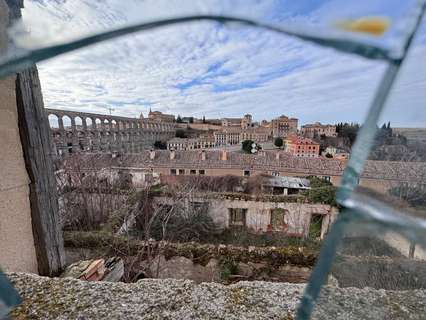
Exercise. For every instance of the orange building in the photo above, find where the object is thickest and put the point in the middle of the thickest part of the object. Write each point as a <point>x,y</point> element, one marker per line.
<point>302,147</point>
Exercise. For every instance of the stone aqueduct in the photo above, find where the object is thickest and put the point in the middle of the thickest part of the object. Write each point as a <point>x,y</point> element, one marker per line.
<point>81,131</point>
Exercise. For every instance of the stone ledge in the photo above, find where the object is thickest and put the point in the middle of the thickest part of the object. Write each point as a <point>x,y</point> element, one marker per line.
<point>198,252</point>
<point>46,298</point>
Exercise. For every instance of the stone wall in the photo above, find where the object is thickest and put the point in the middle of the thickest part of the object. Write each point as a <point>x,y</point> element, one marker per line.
<point>46,298</point>
<point>17,250</point>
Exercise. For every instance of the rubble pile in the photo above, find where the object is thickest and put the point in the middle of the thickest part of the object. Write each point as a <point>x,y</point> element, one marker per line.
<point>111,270</point>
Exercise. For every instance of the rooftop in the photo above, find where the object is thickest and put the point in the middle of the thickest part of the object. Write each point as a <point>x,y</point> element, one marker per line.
<point>267,160</point>
<point>283,117</point>
<point>232,119</point>
<point>288,182</point>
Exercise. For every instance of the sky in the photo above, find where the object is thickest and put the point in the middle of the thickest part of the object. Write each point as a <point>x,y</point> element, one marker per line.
<point>213,70</point>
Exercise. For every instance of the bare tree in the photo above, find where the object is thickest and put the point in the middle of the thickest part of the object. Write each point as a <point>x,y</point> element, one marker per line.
<point>88,195</point>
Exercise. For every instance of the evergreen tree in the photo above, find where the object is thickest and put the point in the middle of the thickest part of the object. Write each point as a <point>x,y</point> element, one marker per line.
<point>180,133</point>
<point>279,142</point>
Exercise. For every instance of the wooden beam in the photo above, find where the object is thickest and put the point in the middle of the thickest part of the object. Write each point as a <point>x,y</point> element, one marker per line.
<point>36,143</point>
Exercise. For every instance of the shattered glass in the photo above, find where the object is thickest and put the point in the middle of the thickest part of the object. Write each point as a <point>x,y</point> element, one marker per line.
<point>367,216</point>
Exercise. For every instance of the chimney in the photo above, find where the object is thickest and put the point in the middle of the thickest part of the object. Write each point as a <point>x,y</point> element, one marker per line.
<point>152,154</point>
<point>203,155</point>
<point>172,154</point>
<point>224,155</point>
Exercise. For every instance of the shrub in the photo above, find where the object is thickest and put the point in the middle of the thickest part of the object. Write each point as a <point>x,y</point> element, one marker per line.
<point>160,145</point>
<point>228,267</point>
<point>325,194</point>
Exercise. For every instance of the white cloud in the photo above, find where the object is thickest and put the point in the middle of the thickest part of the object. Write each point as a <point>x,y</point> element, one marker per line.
<point>269,74</point>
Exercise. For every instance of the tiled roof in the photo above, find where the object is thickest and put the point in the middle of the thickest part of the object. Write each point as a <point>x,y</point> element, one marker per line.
<point>316,125</point>
<point>401,171</point>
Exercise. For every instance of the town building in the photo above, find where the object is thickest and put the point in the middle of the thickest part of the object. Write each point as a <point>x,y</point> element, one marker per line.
<point>257,134</point>
<point>284,126</point>
<point>227,136</point>
<point>161,117</point>
<point>317,129</point>
<point>236,135</point>
<point>301,147</point>
<point>203,142</point>
<point>246,122</point>
<point>217,122</point>
<point>231,122</point>
<point>265,123</point>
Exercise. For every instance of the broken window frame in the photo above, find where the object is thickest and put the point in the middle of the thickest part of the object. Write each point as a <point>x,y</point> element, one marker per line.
<point>237,217</point>
<point>356,207</point>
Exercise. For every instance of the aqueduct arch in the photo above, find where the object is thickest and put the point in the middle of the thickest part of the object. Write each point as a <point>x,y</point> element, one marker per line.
<point>74,131</point>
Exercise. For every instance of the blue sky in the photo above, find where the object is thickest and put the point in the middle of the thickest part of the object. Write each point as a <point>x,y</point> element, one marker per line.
<point>222,71</point>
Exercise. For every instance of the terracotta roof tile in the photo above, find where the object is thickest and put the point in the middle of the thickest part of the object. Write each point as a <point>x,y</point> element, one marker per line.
<point>405,171</point>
